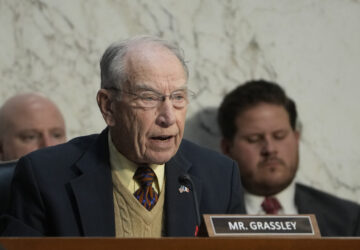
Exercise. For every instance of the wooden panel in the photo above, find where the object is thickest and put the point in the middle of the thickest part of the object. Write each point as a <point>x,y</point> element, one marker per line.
<point>179,243</point>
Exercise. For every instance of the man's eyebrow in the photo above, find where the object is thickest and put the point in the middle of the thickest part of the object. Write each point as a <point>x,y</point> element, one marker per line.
<point>184,87</point>
<point>251,134</point>
<point>281,130</point>
<point>27,131</point>
<point>144,87</point>
<point>57,129</point>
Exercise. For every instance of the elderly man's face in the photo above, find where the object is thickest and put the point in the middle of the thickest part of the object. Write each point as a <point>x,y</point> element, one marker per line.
<point>150,134</point>
<point>31,126</point>
<point>265,148</point>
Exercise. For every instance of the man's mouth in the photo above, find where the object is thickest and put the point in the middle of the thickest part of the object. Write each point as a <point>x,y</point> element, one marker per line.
<point>162,142</point>
<point>271,162</point>
<point>162,138</point>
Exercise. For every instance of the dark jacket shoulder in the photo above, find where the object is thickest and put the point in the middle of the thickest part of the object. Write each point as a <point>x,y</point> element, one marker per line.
<point>325,200</point>
<point>56,163</point>
<point>71,148</point>
<point>335,216</point>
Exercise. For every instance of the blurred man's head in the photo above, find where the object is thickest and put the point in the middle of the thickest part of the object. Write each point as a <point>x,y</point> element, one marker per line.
<point>258,124</point>
<point>29,122</point>
<point>143,98</point>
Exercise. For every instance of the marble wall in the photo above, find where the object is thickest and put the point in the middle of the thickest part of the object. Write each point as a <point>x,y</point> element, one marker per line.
<point>310,47</point>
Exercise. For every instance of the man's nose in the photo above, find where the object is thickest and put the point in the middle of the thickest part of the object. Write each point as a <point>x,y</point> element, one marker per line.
<point>166,116</point>
<point>268,147</point>
<point>46,141</point>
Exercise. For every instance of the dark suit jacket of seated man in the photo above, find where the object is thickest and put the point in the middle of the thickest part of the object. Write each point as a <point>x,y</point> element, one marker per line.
<point>6,173</point>
<point>69,189</point>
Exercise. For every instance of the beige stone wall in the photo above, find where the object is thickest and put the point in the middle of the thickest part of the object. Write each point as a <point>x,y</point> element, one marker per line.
<point>311,47</point>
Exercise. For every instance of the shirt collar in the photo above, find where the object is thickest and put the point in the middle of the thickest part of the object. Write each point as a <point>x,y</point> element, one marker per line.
<point>125,169</point>
<point>286,198</point>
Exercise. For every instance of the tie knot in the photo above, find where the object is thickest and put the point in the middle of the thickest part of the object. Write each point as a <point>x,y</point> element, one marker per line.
<point>145,176</point>
<point>271,205</point>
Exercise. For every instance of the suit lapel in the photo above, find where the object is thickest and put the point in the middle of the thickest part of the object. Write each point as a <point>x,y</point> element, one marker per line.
<point>302,202</point>
<point>306,205</point>
<point>179,206</point>
<point>93,190</point>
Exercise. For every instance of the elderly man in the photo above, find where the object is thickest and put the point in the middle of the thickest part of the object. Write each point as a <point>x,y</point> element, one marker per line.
<point>29,122</point>
<point>138,178</point>
<point>258,124</point>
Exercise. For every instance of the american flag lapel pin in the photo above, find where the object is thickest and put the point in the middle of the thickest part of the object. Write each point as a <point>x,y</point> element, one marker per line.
<point>183,189</point>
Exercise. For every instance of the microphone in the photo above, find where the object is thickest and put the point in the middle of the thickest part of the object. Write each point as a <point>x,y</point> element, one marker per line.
<point>186,179</point>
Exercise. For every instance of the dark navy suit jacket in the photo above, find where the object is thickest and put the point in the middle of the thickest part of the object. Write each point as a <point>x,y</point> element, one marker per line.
<point>335,216</point>
<point>66,190</point>
<point>6,173</point>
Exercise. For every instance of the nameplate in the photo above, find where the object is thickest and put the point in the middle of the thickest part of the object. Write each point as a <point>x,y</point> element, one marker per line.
<point>262,225</point>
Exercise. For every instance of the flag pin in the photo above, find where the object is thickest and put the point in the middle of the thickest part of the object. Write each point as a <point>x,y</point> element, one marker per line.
<point>183,189</point>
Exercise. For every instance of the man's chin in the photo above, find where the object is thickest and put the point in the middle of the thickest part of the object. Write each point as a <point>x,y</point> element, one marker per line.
<point>276,186</point>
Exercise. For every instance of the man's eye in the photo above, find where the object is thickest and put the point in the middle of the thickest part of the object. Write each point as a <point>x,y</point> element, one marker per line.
<point>280,135</point>
<point>28,137</point>
<point>178,97</point>
<point>253,138</point>
<point>58,135</point>
<point>149,97</point>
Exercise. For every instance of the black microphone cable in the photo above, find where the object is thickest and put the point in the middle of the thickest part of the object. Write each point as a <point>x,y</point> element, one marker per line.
<point>186,179</point>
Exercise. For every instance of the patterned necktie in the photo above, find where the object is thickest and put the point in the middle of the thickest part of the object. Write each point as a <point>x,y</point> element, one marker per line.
<point>271,205</point>
<point>146,194</point>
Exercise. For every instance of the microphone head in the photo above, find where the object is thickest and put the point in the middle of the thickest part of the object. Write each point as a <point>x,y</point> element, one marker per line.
<point>184,178</point>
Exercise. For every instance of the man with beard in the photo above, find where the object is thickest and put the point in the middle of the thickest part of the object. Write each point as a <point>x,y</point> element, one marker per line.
<point>258,125</point>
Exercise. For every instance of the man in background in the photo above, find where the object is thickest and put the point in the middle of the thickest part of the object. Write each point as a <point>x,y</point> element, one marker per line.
<point>29,122</point>
<point>139,177</point>
<point>258,125</point>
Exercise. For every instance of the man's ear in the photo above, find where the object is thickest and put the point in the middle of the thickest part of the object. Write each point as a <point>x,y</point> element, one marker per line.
<point>106,106</point>
<point>225,146</point>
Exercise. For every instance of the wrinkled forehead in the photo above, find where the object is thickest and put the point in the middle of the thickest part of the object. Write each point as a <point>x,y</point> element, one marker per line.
<point>154,66</point>
<point>146,53</point>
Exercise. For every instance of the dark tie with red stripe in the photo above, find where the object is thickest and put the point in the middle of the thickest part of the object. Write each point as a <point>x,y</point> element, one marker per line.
<point>146,194</point>
<point>271,205</point>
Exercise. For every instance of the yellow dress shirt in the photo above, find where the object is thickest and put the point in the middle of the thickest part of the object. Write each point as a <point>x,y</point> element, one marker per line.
<point>124,169</point>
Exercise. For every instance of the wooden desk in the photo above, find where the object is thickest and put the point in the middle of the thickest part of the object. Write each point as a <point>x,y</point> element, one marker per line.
<point>180,243</point>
